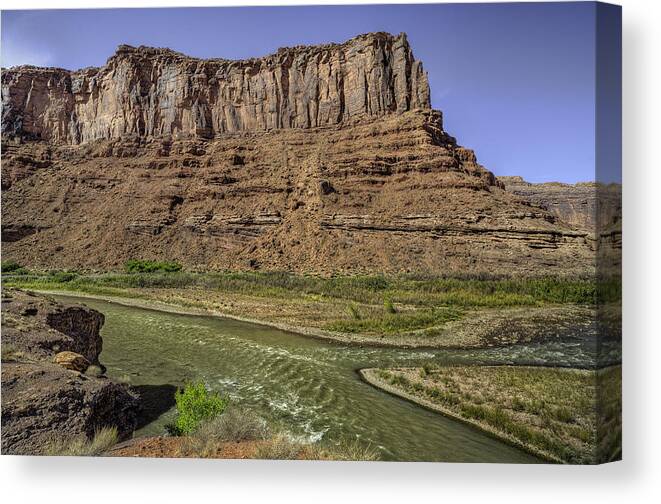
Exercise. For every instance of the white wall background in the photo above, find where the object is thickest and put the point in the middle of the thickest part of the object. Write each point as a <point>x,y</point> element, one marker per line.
<point>636,479</point>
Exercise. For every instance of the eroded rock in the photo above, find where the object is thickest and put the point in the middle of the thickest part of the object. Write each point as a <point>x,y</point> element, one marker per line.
<point>42,400</point>
<point>152,92</point>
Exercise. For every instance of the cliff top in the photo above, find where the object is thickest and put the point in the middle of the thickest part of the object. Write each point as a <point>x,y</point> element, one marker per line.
<point>124,50</point>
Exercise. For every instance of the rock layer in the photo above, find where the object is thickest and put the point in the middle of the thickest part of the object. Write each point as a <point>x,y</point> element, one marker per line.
<point>153,92</point>
<point>375,186</point>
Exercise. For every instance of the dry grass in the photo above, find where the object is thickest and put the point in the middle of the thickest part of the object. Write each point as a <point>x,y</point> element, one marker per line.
<point>82,446</point>
<point>550,412</point>
<point>609,414</point>
<point>353,451</point>
<point>11,354</point>
<point>234,425</point>
<point>279,447</point>
<point>242,426</point>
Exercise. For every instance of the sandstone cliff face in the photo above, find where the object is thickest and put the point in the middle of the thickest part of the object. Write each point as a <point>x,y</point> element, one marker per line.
<point>153,92</point>
<point>360,178</point>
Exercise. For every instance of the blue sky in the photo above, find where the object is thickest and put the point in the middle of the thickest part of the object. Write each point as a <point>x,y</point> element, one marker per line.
<point>516,82</point>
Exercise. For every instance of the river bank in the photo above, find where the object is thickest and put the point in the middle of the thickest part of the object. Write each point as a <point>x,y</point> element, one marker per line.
<point>374,311</point>
<point>549,412</point>
<point>476,329</point>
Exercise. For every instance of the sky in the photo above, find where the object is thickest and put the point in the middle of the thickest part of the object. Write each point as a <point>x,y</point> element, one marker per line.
<point>515,82</point>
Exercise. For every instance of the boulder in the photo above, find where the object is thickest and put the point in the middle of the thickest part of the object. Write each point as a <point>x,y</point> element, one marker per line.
<point>72,360</point>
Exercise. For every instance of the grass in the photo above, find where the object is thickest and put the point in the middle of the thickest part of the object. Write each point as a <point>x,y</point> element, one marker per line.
<point>280,447</point>
<point>82,446</point>
<point>234,425</point>
<point>405,306</point>
<point>10,353</point>
<point>350,451</point>
<point>609,414</point>
<point>283,447</point>
<point>423,292</point>
<point>551,412</point>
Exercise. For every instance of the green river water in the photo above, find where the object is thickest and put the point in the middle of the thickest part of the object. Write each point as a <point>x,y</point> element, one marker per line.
<point>308,386</point>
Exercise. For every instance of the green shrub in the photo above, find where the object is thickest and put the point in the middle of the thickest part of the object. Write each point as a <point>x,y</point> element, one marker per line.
<point>147,266</point>
<point>194,405</point>
<point>62,276</point>
<point>13,267</point>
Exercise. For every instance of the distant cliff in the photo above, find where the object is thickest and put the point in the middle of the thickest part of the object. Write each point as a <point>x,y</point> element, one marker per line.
<point>585,205</point>
<point>154,92</point>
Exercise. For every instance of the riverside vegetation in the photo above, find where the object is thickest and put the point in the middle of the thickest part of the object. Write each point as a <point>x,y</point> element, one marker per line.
<point>550,412</point>
<point>397,310</point>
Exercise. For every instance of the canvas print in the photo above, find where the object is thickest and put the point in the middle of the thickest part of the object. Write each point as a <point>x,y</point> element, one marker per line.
<point>355,233</point>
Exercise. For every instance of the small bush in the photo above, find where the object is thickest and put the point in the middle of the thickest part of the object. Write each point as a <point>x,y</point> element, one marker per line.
<point>518,404</point>
<point>147,266</point>
<point>234,425</point>
<point>388,306</point>
<point>13,267</point>
<point>81,446</point>
<point>194,405</point>
<point>62,276</point>
<point>563,414</point>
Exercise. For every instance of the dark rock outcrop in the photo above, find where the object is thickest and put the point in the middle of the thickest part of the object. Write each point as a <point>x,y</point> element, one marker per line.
<point>43,398</point>
<point>42,327</point>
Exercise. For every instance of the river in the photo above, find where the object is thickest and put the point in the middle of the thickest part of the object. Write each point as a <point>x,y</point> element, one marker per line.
<point>309,387</point>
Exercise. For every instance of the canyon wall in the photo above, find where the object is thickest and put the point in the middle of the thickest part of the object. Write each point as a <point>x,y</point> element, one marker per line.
<point>322,160</point>
<point>154,92</point>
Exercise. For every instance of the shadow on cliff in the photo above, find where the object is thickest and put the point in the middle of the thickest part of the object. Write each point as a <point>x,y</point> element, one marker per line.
<point>154,401</point>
